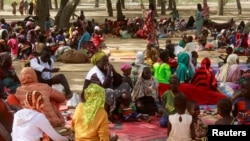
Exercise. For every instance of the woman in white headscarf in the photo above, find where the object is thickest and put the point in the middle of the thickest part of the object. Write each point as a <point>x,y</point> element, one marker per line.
<point>139,60</point>
<point>230,72</point>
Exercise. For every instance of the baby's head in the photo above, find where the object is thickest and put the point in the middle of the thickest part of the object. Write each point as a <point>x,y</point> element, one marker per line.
<point>126,68</point>
<point>224,107</point>
<point>125,99</point>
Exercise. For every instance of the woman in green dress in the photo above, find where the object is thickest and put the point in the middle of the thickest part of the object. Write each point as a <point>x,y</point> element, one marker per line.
<point>199,20</point>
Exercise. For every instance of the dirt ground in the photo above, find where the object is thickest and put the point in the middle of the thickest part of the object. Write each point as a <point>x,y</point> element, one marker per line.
<point>124,50</point>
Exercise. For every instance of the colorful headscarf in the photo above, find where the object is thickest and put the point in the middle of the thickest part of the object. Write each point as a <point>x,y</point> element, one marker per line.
<point>97,57</point>
<point>223,74</point>
<point>34,100</point>
<point>125,66</point>
<point>95,99</point>
<point>139,58</point>
<point>206,63</point>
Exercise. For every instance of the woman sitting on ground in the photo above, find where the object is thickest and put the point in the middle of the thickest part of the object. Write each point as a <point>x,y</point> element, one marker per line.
<point>51,97</point>
<point>6,117</point>
<point>90,120</point>
<point>184,72</point>
<point>31,124</point>
<point>104,74</point>
<point>230,72</point>
<point>203,87</point>
<point>7,73</point>
<point>145,93</point>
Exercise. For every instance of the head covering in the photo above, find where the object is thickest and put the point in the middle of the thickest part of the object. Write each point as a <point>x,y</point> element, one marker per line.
<point>28,76</point>
<point>37,28</point>
<point>34,100</point>
<point>183,58</point>
<point>94,100</point>
<point>184,72</point>
<point>4,59</point>
<point>97,57</point>
<point>224,70</point>
<point>232,59</point>
<point>139,58</point>
<point>97,28</point>
<point>1,34</point>
<point>125,66</point>
<point>206,63</point>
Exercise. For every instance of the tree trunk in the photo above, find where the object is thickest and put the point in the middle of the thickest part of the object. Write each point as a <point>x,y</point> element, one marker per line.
<point>224,2</point>
<point>170,4</point>
<point>50,4</point>
<point>154,2</point>
<point>109,8</point>
<point>56,4</point>
<point>123,4</point>
<point>96,3</point>
<point>220,7</point>
<point>158,3</point>
<point>163,7</point>
<point>66,10</point>
<point>42,12</point>
<point>119,10</point>
<point>174,4</point>
<point>58,15</point>
<point>239,7</point>
<point>1,4</point>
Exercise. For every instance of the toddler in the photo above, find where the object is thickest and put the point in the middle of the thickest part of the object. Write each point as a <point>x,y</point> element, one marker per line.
<point>127,110</point>
<point>126,69</point>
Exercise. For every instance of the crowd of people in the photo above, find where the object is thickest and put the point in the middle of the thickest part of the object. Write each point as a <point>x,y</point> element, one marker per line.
<point>168,83</point>
<point>24,7</point>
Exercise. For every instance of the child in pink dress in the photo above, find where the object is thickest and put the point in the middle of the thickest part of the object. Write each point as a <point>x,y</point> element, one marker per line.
<point>13,44</point>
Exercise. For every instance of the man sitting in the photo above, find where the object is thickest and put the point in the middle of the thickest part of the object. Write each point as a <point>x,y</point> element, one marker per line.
<point>44,67</point>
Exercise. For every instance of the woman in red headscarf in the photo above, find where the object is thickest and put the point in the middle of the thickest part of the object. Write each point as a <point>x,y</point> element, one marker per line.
<point>203,87</point>
<point>204,76</point>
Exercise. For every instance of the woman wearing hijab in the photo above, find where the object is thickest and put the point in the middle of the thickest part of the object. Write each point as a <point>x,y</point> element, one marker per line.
<point>30,124</point>
<point>51,97</point>
<point>6,117</point>
<point>204,76</point>
<point>145,92</point>
<point>203,86</point>
<point>139,60</point>
<point>104,74</point>
<point>90,120</point>
<point>230,72</point>
<point>3,41</point>
<point>7,73</point>
<point>184,72</point>
<point>149,24</point>
<point>199,20</point>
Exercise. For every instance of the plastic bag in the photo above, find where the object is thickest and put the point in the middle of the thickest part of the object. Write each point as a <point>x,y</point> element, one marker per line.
<point>74,101</point>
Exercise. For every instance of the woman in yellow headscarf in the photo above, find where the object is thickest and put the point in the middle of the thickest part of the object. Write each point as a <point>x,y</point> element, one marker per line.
<point>90,120</point>
<point>104,75</point>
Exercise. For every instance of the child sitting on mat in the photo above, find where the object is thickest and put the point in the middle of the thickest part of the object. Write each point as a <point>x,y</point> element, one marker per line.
<point>224,107</point>
<point>180,125</point>
<point>126,69</point>
<point>199,126</point>
<point>127,110</point>
<point>168,100</point>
